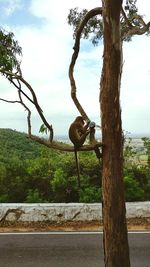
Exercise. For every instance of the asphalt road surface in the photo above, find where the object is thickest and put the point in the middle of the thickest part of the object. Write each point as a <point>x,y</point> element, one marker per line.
<point>66,250</point>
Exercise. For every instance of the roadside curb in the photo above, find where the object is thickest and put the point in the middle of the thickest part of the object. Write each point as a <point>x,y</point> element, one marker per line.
<point>67,217</point>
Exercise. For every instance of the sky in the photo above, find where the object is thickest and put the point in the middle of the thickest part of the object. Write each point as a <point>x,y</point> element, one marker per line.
<point>41,28</point>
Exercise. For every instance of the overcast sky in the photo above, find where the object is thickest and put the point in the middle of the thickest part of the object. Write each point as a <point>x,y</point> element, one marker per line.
<point>41,28</point>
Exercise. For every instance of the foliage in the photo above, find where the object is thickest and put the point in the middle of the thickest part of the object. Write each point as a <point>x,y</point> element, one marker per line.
<point>33,196</point>
<point>137,175</point>
<point>43,129</point>
<point>9,51</point>
<point>129,153</point>
<point>30,172</point>
<point>91,194</point>
<point>13,142</point>
<point>133,191</point>
<point>93,28</point>
<point>147,147</point>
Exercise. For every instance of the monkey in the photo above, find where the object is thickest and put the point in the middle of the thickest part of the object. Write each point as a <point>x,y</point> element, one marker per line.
<point>78,132</point>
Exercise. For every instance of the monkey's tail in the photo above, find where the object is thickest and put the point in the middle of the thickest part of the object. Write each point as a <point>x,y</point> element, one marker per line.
<point>78,169</point>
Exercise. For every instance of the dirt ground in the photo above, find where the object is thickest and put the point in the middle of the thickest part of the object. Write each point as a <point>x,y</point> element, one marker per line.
<point>133,225</point>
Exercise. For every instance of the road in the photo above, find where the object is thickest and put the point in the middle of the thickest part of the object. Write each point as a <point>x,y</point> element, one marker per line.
<point>66,249</point>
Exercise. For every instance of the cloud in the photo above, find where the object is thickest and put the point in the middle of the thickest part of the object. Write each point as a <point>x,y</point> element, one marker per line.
<point>56,11</point>
<point>135,92</point>
<point>144,9</point>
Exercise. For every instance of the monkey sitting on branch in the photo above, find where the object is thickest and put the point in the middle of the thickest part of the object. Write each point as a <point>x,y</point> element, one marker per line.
<point>78,132</point>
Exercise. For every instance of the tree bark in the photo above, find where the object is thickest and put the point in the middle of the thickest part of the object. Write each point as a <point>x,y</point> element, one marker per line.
<point>116,250</point>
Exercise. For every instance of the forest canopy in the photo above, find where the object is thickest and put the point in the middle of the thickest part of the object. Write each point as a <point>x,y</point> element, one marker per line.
<point>30,173</point>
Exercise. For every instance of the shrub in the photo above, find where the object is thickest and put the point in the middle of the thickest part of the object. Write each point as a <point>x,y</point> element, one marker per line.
<point>133,192</point>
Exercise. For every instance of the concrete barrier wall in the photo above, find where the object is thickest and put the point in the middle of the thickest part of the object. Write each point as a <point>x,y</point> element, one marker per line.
<point>65,212</point>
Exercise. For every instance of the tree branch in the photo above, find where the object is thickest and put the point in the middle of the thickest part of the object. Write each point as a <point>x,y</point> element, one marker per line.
<point>125,18</point>
<point>19,88</point>
<point>12,76</point>
<point>64,147</point>
<point>138,17</point>
<point>89,15</point>
<point>133,29</point>
<point>10,101</point>
<point>35,101</point>
<point>29,113</point>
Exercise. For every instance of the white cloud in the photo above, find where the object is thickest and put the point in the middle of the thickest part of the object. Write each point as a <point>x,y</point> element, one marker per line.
<point>135,93</point>
<point>58,10</point>
<point>144,9</point>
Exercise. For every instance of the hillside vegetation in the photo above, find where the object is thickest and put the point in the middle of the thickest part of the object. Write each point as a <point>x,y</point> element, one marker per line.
<point>16,143</point>
<point>30,172</point>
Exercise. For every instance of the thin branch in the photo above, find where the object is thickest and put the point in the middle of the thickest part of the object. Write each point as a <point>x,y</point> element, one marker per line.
<point>89,15</point>
<point>29,113</point>
<point>9,101</point>
<point>138,31</point>
<point>19,87</point>
<point>8,73</point>
<point>20,78</point>
<point>35,101</point>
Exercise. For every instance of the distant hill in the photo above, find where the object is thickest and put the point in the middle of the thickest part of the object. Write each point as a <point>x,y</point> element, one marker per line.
<point>14,142</point>
<point>17,143</point>
<point>139,136</point>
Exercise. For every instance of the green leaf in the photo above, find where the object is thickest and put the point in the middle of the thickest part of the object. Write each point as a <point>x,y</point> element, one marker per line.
<point>43,129</point>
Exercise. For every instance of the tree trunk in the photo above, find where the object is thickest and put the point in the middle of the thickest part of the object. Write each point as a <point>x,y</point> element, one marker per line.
<point>116,250</point>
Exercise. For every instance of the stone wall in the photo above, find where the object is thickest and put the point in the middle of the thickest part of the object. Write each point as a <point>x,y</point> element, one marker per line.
<point>71,212</point>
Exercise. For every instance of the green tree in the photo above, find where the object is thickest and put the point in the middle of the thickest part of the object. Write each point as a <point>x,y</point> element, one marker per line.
<point>147,147</point>
<point>65,189</point>
<point>90,194</point>
<point>33,196</point>
<point>12,182</point>
<point>59,184</point>
<point>133,191</point>
<point>9,50</point>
